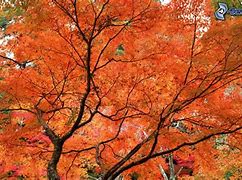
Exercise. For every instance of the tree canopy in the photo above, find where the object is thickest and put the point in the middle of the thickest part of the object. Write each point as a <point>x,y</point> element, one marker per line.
<point>105,89</point>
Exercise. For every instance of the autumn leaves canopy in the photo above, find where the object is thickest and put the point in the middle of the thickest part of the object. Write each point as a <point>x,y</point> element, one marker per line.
<point>102,89</point>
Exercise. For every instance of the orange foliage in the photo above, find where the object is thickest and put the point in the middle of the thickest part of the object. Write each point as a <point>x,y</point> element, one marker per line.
<point>109,88</point>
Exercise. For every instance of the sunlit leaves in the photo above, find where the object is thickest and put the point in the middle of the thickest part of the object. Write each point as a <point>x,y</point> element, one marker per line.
<point>142,69</point>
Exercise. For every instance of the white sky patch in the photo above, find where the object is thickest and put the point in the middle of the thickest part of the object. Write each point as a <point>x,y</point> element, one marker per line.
<point>71,26</point>
<point>165,2</point>
<point>4,40</point>
<point>27,64</point>
<point>229,90</point>
<point>6,2</point>
<point>203,21</point>
<point>10,55</point>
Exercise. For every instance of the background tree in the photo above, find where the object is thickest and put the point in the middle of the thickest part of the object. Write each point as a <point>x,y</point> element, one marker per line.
<point>104,88</point>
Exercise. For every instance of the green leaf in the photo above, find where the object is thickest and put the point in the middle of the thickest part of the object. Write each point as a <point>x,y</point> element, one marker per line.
<point>120,50</point>
<point>134,176</point>
<point>227,175</point>
<point>1,95</point>
<point>73,115</point>
<point>24,139</point>
<point>5,111</point>
<point>92,174</point>
<point>3,22</point>
<point>21,177</point>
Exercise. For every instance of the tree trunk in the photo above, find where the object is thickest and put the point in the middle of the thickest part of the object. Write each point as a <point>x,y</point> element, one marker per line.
<point>171,167</point>
<point>163,173</point>
<point>52,165</point>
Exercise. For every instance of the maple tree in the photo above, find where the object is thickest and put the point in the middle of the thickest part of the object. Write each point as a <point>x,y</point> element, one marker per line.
<point>113,88</point>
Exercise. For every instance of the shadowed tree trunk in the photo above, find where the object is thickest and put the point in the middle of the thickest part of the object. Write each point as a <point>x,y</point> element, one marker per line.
<point>52,165</point>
